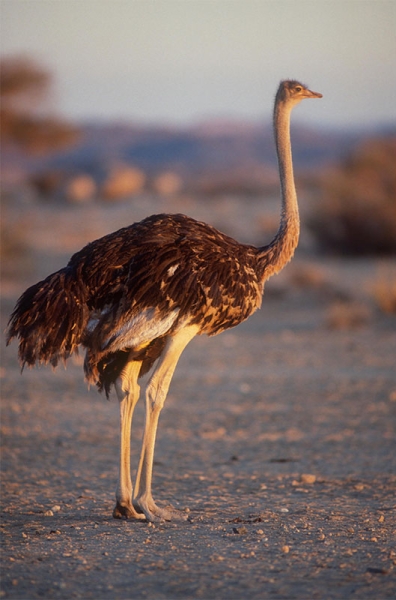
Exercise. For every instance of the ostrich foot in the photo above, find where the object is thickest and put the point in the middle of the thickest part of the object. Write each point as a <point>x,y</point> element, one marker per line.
<point>156,514</point>
<point>126,511</point>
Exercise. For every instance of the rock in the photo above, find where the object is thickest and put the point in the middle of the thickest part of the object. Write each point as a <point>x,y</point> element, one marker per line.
<point>307,478</point>
<point>240,530</point>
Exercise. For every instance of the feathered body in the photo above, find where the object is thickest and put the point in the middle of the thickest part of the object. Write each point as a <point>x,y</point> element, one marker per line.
<point>127,291</point>
<point>142,293</point>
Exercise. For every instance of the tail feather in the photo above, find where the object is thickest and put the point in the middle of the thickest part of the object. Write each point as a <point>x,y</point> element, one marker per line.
<point>49,320</point>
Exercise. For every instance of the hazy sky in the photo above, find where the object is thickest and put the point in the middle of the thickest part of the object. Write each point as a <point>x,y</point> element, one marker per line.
<point>187,60</point>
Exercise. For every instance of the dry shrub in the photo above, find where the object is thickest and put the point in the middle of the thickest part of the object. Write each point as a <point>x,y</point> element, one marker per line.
<point>80,189</point>
<point>347,315</point>
<point>168,183</point>
<point>307,276</point>
<point>123,181</point>
<point>15,254</point>
<point>384,290</point>
<point>356,213</point>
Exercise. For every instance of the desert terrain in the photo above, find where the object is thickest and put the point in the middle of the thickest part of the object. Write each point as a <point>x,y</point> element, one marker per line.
<point>277,439</point>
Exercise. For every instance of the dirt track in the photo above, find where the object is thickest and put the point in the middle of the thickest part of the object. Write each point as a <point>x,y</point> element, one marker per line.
<point>250,414</point>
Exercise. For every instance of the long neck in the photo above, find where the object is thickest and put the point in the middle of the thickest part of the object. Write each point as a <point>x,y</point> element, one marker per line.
<point>279,252</point>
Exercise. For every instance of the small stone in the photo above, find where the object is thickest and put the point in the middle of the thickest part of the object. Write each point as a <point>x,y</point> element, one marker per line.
<point>285,549</point>
<point>260,532</point>
<point>48,513</point>
<point>217,558</point>
<point>308,478</point>
<point>55,508</point>
<point>239,530</point>
<point>381,519</point>
<point>377,570</point>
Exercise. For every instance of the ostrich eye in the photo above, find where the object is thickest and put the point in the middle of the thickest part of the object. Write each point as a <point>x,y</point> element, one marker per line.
<point>298,88</point>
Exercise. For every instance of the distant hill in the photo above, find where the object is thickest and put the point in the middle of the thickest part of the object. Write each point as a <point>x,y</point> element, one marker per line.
<point>206,149</point>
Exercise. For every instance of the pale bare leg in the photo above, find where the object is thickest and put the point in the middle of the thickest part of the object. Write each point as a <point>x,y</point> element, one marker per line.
<point>128,394</point>
<point>156,392</point>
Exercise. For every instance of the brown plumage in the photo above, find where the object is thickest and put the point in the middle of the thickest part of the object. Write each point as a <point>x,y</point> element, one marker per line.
<point>142,293</point>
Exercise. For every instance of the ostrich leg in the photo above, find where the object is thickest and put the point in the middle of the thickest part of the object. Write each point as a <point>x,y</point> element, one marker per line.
<point>128,394</point>
<point>156,392</point>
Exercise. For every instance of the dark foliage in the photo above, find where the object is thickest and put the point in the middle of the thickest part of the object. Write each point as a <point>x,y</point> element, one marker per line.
<point>356,213</point>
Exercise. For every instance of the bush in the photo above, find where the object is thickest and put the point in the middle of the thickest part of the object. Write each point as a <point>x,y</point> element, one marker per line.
<point>24,89</point>
<point>356,213</point>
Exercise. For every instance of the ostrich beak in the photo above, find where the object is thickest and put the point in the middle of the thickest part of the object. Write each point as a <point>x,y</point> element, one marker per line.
<point>311,94</point>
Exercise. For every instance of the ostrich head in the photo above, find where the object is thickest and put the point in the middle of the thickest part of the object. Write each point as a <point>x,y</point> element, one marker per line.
<point>292,92</point>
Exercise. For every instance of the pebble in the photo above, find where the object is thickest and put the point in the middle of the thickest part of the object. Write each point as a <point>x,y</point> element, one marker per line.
<point>308,478</point>
<point>55,508</point>
<point>285,549</point>
<point>240,530</point>
<point>48,513</point>
<point>217,558</point>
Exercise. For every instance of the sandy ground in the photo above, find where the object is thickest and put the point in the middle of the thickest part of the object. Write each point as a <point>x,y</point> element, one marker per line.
<point>277,439</point>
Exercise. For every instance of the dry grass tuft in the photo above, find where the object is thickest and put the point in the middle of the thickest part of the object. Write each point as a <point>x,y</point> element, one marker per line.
<point>307,276</point>
<point>15,254</point>
<point>347,315</point>
<point>384,290</point>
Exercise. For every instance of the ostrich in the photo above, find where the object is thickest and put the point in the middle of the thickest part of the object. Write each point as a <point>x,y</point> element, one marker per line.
<point>136,297</point>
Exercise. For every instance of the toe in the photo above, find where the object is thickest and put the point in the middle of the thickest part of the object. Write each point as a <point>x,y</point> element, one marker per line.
<point>157,514</point>
<point>127,511</point>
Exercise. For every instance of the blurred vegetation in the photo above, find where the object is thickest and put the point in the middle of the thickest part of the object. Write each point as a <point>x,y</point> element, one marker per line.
<point>356,212</point>
<point>384,289</point>
<point>24,122</point>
